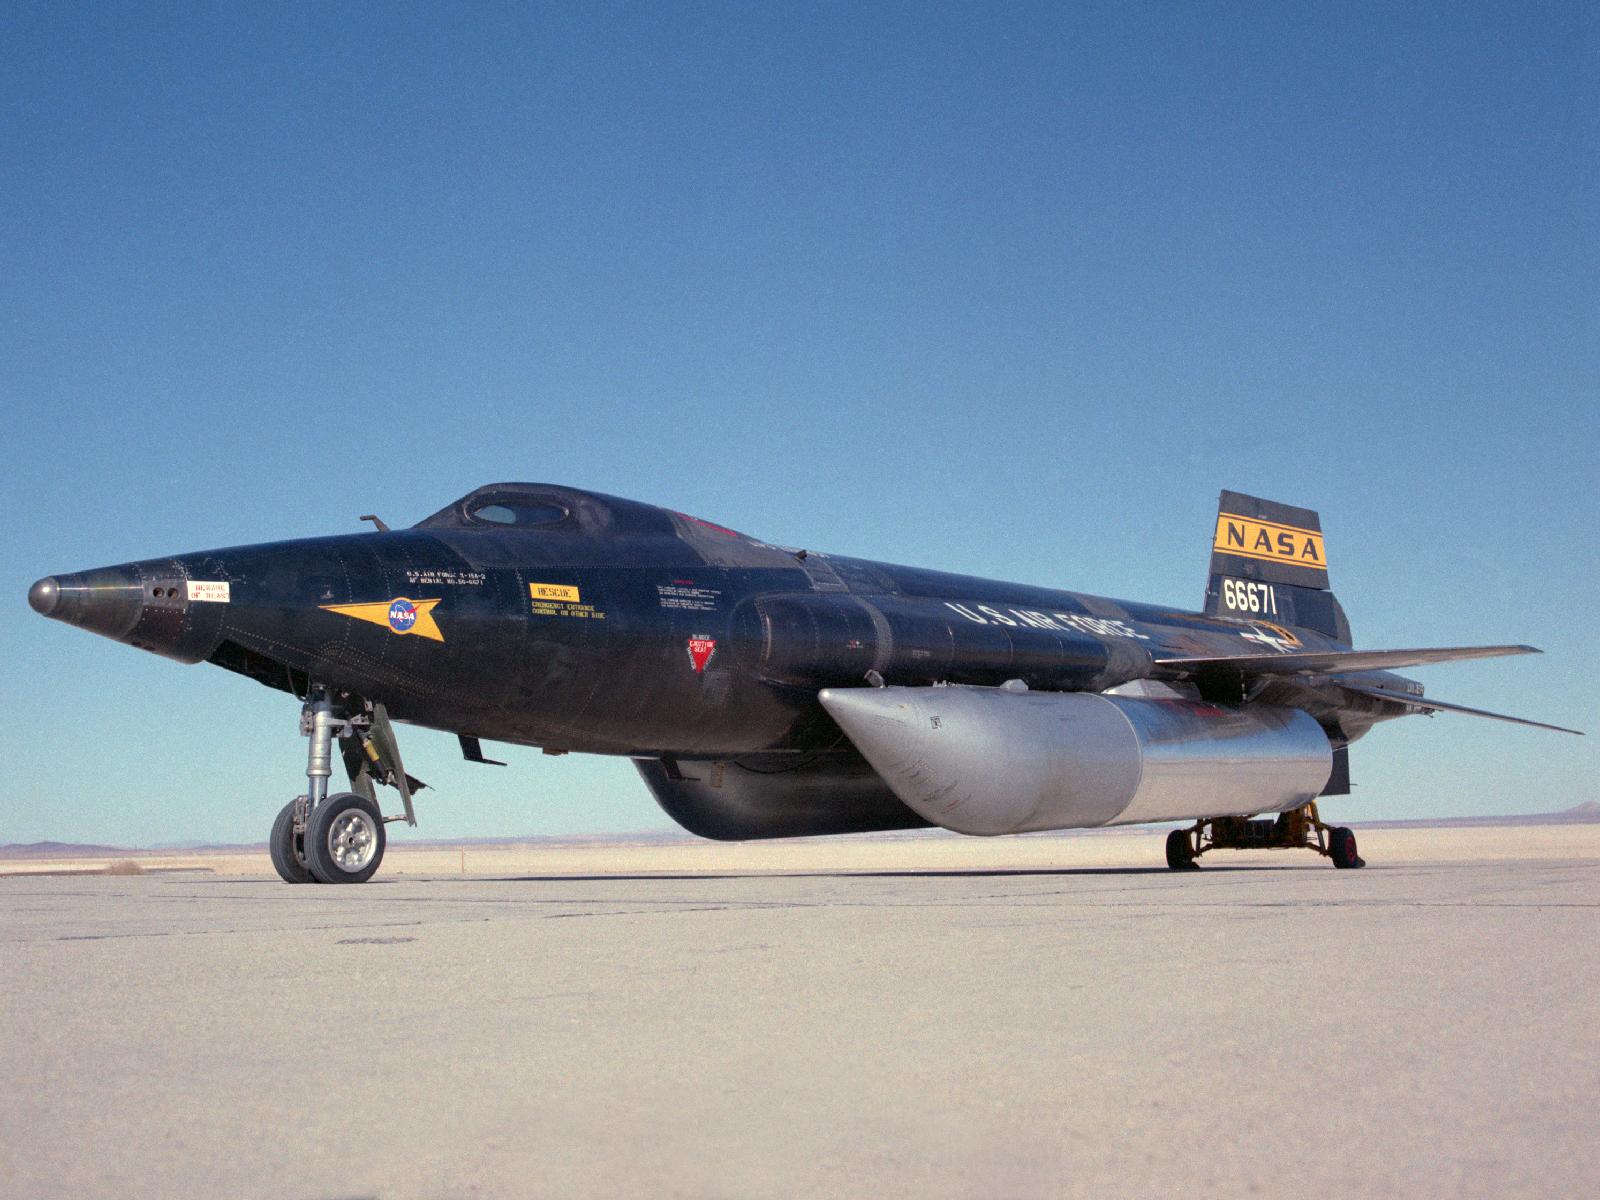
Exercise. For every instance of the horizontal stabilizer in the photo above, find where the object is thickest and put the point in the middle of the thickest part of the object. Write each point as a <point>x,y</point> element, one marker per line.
<point>1327,662</point>
<point>1424,704</point>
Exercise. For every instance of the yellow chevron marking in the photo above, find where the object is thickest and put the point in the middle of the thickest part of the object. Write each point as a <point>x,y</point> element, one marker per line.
<point>392,615</point>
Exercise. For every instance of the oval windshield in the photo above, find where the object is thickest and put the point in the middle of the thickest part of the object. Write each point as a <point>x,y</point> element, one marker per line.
<point>509,510</point>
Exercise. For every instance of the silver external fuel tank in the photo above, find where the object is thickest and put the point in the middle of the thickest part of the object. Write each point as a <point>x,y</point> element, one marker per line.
<point>984,760</point>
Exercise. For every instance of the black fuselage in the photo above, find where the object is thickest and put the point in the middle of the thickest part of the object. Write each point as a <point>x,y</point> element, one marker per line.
<point>558,618</point>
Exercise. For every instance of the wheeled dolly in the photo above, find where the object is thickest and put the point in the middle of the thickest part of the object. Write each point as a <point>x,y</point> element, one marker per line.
<point>1299,828</point>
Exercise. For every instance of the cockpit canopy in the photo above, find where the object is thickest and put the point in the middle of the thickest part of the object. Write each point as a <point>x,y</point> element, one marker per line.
<point>548,508</point>
<point>520,512</point>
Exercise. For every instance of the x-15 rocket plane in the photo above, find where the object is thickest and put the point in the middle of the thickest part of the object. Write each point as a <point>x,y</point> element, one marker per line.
<point>765,691</point>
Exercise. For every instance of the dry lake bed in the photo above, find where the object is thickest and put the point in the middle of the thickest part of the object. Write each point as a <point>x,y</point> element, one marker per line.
<point>898,1017</point>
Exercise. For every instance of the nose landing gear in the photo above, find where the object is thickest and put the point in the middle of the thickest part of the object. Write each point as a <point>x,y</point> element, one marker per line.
<point>344,839</point>
<point>1296,829</point>
<point>340,838</point>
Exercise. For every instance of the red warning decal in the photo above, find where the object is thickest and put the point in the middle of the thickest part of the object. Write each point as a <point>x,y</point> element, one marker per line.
<point>701,648</point>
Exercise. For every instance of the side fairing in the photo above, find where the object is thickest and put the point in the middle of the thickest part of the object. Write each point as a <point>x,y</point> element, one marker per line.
<point>776,796</point>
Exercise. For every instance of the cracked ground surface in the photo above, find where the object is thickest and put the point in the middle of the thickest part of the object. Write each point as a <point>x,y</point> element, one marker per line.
<point>1277,1028</point>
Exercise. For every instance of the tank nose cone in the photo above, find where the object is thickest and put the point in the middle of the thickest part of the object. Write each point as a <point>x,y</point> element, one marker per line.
<point>44,595</point>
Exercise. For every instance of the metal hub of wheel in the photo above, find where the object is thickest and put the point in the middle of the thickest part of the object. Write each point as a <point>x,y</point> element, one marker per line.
<point>352,840</point>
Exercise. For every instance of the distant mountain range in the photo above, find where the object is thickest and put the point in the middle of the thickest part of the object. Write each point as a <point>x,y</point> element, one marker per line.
<point>1578,814</point>
<point>48,850</point>
<point>57,850</point>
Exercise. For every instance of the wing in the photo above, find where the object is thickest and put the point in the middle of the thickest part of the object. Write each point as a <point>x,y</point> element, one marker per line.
<point>1336,662</point>
<point>1425,705</point>
<point>1327,662</point>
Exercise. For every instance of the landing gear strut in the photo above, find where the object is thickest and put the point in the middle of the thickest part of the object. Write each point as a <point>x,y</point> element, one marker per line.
<point>319,838</point>
<point>1299,828</point>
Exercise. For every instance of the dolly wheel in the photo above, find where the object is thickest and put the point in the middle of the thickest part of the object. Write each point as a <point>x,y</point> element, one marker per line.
<point>1342,849</point>
<point>1180,851</point>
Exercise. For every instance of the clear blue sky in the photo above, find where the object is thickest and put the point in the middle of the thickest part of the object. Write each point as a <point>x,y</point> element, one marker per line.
<point>1007,289</point>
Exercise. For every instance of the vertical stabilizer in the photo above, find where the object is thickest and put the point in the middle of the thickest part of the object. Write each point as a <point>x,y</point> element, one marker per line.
<point>1269,562</point>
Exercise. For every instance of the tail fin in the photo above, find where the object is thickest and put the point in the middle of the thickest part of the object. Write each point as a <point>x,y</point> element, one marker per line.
<point>1269,563</point>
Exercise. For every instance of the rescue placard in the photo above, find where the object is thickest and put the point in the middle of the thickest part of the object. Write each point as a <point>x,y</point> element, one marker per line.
<point>554,591</point>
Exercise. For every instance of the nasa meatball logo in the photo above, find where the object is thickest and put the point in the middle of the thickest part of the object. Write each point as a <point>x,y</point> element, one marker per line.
<point>402,615</point>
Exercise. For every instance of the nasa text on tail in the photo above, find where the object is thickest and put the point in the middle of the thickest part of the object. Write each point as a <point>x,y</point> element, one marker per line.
<point>764,691</point>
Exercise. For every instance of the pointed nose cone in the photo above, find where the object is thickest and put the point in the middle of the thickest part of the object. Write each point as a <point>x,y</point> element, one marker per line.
<point>107,601</point>
<point>143,604</point>
<point>44,595</point>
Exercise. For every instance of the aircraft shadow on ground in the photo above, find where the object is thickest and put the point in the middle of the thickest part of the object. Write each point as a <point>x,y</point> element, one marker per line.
<point>703,876</point>
<point>983,873</point>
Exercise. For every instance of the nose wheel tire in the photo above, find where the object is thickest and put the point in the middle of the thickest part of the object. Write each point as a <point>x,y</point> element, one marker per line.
<point>344,839</point>
<point>1342,849</point>
<point>283,846</point>
<point>1180,851</point>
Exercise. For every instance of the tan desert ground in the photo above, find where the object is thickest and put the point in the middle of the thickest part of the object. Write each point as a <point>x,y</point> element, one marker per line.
<point>931,850</point>
<point>915,1016</point>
